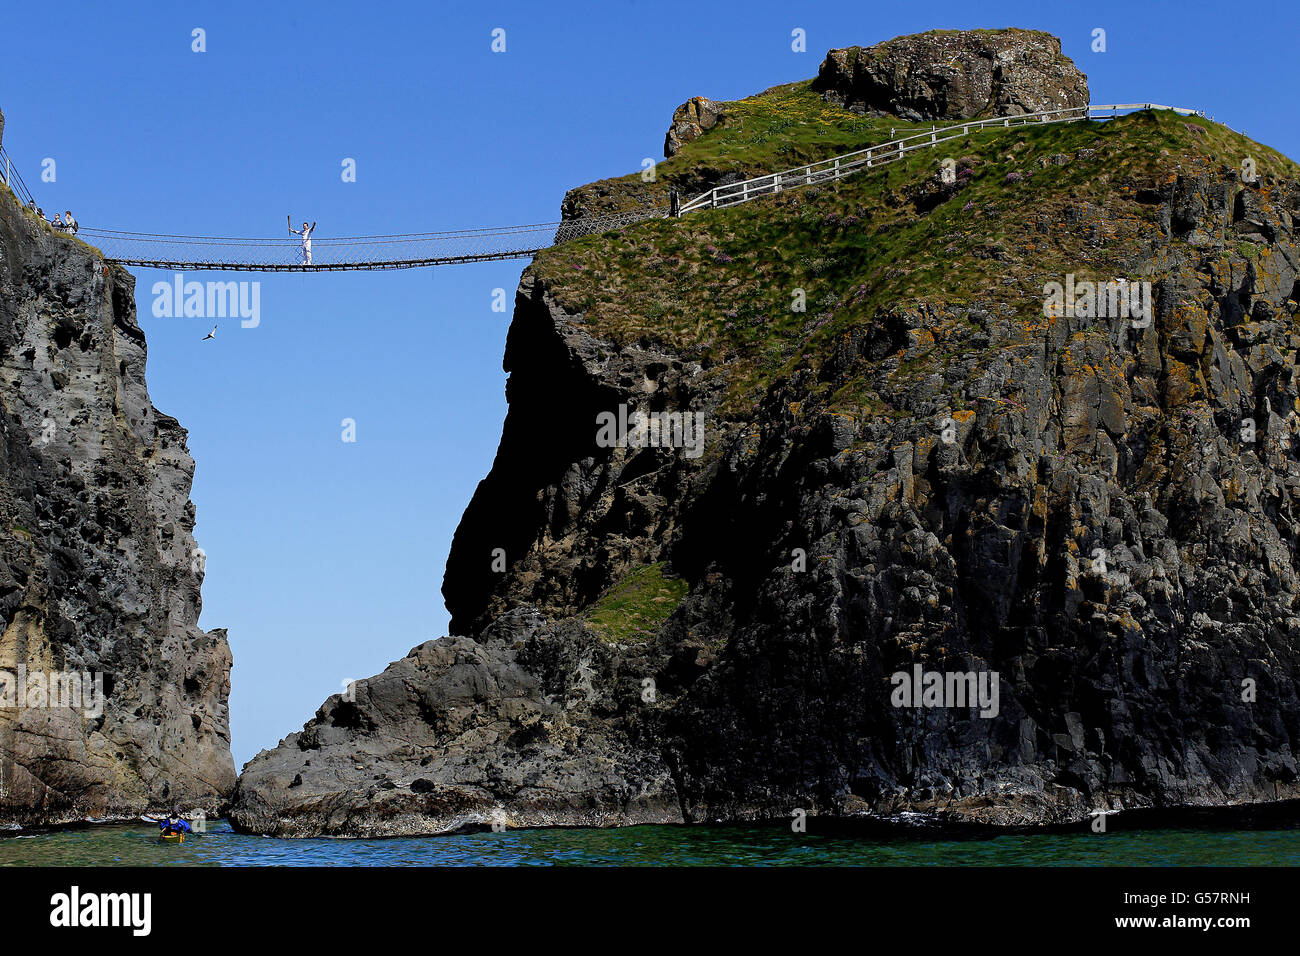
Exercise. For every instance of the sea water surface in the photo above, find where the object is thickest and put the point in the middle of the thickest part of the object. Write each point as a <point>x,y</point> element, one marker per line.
<point>660,846</point>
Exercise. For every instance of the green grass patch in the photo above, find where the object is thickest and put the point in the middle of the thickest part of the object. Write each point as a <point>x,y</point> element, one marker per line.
<point>1034,203</point>
<point>635,607</point>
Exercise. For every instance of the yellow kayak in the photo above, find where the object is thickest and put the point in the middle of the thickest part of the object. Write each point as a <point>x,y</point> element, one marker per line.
<point>172,837</point>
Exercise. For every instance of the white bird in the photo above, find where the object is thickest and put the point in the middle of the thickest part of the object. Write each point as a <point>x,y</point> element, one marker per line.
<point>210,335</point>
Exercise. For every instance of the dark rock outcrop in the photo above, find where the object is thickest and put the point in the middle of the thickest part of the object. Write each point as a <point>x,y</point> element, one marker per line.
<point>522,727</point>
<point>552,494</point>
<point>690,121</point>
<point>99,571</point>
<point>954,74</point>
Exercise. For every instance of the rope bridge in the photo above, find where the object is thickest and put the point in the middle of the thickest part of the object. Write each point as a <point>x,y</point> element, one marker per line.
<point>157,250</point>
<point>350,254</point>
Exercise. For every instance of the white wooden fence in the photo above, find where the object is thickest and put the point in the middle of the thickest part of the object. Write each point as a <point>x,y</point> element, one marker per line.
<point>837,167</point>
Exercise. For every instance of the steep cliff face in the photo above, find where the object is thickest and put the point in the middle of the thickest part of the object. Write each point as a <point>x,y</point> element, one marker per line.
<point>99,572</point>
<point>916,459</point>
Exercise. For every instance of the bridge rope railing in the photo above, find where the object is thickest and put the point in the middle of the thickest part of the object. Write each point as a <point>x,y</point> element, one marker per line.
<point>13,180</point>
<point>846,164</point>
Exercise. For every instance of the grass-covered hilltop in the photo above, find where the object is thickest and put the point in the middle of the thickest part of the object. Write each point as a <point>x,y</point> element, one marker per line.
<point>719,287</point>
<point>918,467</point>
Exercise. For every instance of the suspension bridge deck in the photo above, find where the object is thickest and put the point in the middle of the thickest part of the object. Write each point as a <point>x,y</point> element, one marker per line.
<point>188,253</point>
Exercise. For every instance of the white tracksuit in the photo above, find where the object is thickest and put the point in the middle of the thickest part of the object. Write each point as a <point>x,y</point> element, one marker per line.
<point>305,254</point>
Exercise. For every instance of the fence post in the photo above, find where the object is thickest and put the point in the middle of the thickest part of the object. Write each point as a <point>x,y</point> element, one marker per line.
<point>6,169</point>
<point>674,203</point>
<point>777,180</point>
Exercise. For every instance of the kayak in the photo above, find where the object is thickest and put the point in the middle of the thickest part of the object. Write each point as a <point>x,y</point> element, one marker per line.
<point>172,837</point>
<point>165,837</point>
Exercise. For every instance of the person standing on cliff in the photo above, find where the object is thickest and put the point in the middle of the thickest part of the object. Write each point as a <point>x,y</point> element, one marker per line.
<point>305,232</point>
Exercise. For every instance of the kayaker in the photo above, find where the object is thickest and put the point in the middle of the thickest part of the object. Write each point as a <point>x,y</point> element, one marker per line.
<point>174,823</point>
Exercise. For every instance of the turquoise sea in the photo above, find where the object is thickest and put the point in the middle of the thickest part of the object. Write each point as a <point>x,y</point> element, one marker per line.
<point>662,845</point>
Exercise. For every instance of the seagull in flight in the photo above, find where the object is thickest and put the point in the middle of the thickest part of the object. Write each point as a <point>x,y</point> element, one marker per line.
<point>210,335</point>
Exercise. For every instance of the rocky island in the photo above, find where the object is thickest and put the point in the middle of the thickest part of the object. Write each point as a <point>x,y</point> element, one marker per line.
<point>914,460</point>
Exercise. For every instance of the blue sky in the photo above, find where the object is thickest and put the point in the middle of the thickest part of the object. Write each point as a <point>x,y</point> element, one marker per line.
<point>325,558</point>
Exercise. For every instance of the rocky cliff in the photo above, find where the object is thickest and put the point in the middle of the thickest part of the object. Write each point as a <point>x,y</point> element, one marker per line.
<point>919,459</point>
<point>954,74</point>
<point>99,571</point>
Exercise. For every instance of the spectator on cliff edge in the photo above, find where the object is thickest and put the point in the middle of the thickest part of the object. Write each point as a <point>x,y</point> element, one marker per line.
<point>305,232</point>
<point>58,222</point>
<point>69,223</point>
